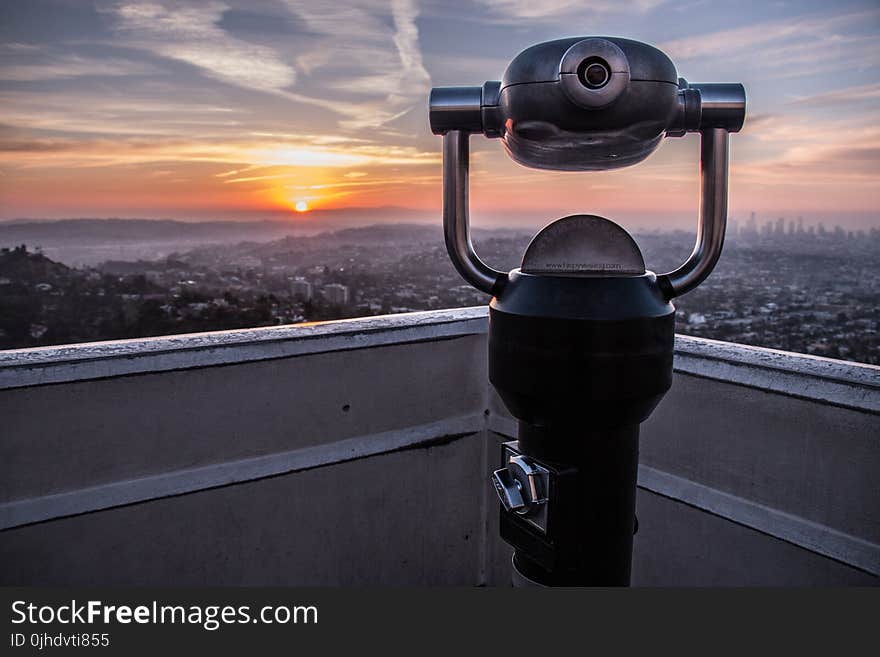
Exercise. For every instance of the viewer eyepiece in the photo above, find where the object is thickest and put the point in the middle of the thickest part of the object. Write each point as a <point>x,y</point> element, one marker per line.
<point>594,73</point>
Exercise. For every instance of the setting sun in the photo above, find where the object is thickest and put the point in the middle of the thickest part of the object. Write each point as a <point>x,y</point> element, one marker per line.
<point>301,206</point>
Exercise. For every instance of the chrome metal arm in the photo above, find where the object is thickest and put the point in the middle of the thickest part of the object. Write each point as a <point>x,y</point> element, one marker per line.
<point>713,216</point>
<point>456,222</point>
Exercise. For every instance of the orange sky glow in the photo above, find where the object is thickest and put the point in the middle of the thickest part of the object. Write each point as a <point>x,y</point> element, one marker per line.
<point>240,110</point>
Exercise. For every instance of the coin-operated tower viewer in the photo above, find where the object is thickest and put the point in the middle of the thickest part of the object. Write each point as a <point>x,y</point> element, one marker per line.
<point>581,335</point>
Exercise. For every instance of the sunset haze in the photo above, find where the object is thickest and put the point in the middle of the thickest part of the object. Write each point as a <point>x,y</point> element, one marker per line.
<point>265,109</point>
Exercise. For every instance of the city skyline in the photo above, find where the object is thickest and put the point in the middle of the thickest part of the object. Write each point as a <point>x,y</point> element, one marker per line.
<point>240,110</point>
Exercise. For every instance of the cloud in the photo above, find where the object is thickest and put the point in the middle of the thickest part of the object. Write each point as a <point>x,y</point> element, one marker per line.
<point>406,38</point>
<point>373,70</point>
<point>360,64</point>
<point>840,154</point>
<point>844,97</point>
<point>379,78</point>
<point>191,34</point>
<point>120,114</point>
<point>782,42</point>
<point>72,66</point>
<point>249,155</point>
<point>515,10</point>
<point>431,179</point>
<point>17,46</point>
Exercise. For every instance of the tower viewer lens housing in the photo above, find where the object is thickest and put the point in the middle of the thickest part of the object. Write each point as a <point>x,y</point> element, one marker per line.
<point>594,73</point>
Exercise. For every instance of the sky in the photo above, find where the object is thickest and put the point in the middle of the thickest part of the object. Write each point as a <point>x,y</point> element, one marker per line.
<point>244,109</point>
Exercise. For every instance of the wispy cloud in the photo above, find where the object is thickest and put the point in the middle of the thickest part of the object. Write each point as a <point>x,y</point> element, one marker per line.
<point>250,155</point>
<point>787,40</point>
<point>840,97</point>
<point>373,70</point>
<point>72,66</point>
<point>514,10</point>
<point>115,114</point>
<point>836,156</point>
<point>190,33</point>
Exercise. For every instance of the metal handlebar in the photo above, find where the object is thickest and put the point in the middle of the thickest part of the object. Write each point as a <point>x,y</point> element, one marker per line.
<point>713,217</point>
<point>713,110</point>
<point>456,220</point>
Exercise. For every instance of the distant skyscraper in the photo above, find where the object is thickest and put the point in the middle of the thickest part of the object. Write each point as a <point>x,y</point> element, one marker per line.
<point>752,226</point>
<point>336,294</point>
<point>301,289</point>
<point>780,227</point>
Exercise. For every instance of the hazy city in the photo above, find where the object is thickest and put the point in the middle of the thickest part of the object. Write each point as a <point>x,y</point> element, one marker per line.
<point>781,283</point>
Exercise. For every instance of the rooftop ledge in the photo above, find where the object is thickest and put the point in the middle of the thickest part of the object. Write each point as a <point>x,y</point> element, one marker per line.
<point>758,467</point>
<point>841,383</point>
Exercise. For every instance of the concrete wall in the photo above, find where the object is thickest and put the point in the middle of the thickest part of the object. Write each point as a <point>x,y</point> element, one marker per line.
<point>357,452</point>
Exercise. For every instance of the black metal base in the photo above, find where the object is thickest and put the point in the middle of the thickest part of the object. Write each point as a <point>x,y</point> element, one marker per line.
<point>520,580</point>
<point>589,537</point>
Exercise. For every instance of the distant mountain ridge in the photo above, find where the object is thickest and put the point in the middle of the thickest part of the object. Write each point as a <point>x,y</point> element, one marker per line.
<point>133,229</point>
<point>89,242</point>
<point>116,228</point>
<point>94,231</point>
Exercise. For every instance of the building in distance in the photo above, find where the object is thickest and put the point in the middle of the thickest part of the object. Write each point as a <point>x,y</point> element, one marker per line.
<point>301,289</point>
<point>336,294</point>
